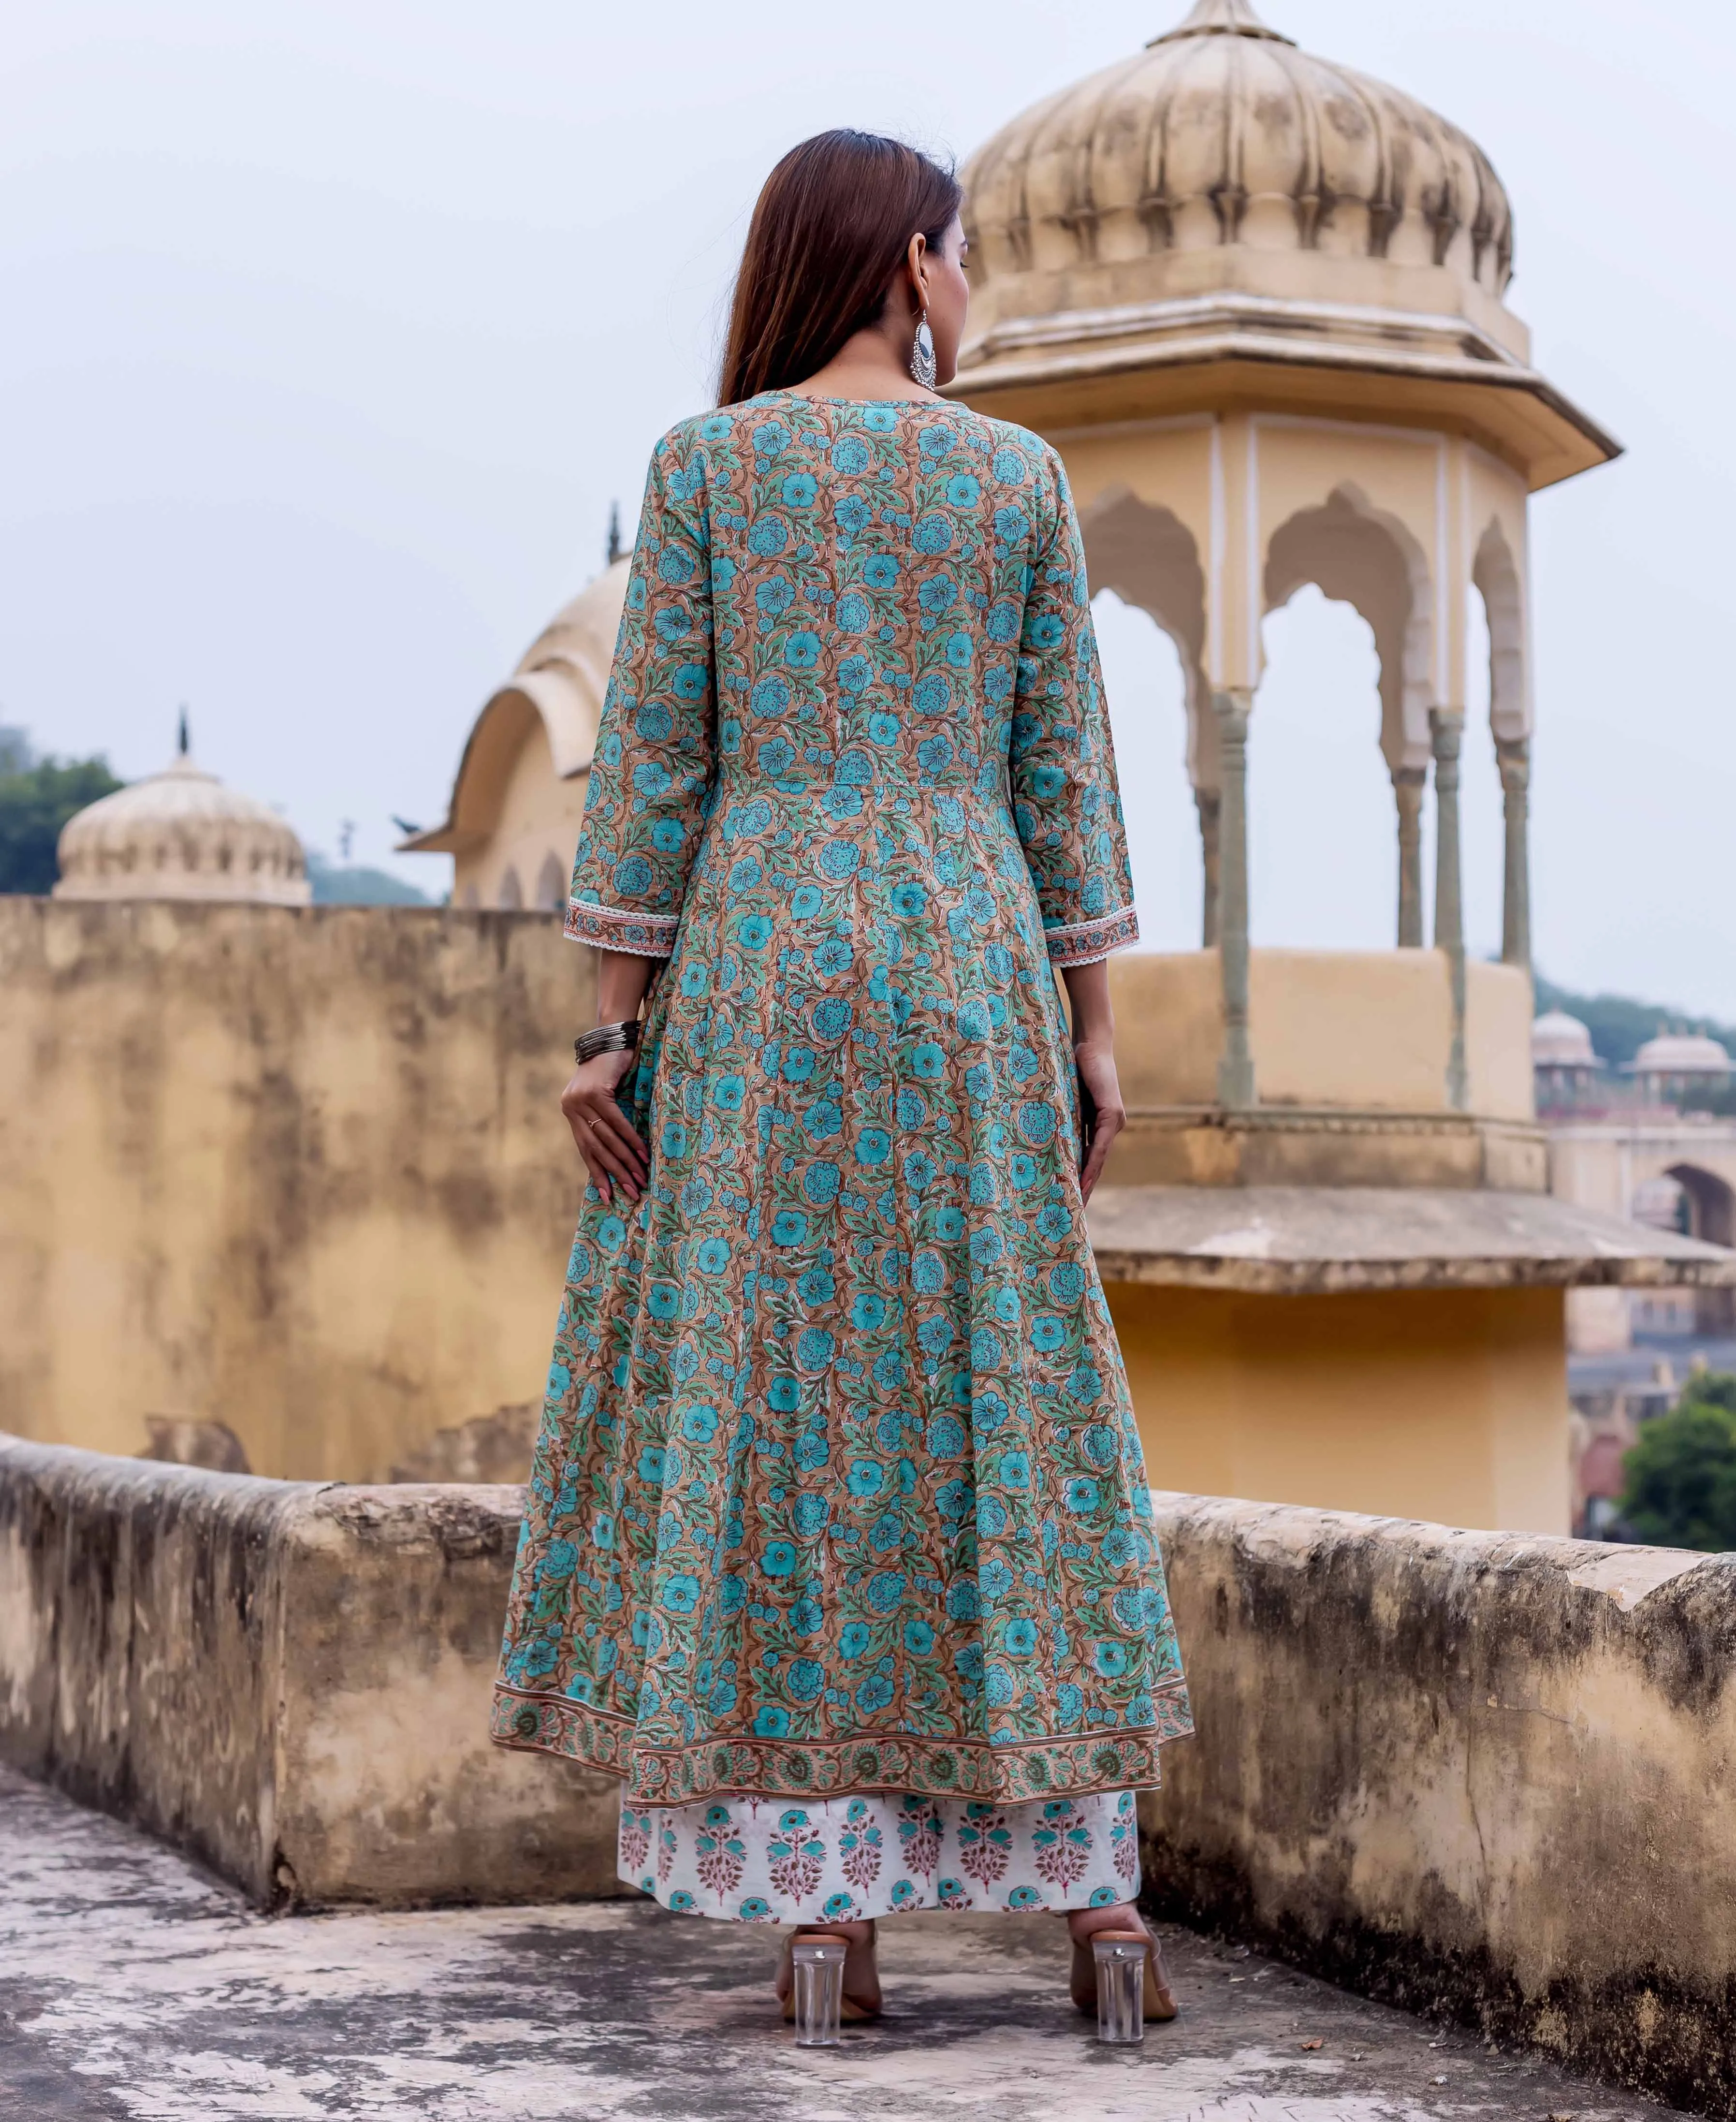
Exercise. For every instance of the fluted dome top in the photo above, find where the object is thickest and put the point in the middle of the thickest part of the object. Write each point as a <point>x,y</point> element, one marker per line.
<point>1561,1041</point>
<point>1682,1053</point>
<point>1222,141</point>
<point>181,835</point>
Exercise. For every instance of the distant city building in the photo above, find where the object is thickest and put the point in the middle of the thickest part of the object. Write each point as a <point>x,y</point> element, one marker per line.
<point>1675,1064</point>
<point>182,835</point>
<point>1569,1073</point>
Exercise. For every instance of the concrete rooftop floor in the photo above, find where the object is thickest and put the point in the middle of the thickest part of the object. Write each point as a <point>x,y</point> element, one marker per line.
<point>131,1985</point>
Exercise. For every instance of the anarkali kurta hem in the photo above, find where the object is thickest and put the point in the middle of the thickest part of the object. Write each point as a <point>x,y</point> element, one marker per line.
<point>838,1487</point>
<point>1010,1773</point>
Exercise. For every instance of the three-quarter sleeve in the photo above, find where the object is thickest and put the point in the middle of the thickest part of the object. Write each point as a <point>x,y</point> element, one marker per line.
<point>1065,802</point>
<point>651,779</point>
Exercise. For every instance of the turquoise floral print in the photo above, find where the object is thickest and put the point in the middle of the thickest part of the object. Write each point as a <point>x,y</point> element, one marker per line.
<point>838,1488</point>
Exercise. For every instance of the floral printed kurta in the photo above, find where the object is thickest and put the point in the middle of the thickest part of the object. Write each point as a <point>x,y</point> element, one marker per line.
<point>838,1487</point>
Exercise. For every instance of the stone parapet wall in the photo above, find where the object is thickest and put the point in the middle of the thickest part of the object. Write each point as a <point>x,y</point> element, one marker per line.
<point>289,1680</point>
<point>1465,1771</point>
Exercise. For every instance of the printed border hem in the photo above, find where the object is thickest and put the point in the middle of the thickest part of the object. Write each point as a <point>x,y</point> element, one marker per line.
<point>1011,1774</point>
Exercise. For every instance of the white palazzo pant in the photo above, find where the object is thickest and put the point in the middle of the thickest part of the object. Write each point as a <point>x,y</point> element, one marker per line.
<point>841,1860</point>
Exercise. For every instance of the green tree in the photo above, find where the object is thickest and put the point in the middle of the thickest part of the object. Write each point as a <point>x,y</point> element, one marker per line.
<point>1681,1488</point>
<point>35,801</point>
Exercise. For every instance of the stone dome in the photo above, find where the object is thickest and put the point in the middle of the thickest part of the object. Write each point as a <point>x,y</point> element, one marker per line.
<point>181,835</point>
<point>1561,1041</point>
<point>572,657</point>
<point>1221,158</point>
<point>561,681</point>
<point>1682,1053</point>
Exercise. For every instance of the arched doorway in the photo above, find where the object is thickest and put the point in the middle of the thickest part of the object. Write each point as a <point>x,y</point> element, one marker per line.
<point>1711,1214</point>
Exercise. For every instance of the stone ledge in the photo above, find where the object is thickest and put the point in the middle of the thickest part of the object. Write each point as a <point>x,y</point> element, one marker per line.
<point>1339,1147</point>
<point>289,1680</point>
<point>1297,1241</point>
<point>1462,1771</point>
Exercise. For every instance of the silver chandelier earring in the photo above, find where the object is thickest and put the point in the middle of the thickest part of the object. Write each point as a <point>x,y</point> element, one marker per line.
<point>923,368</point>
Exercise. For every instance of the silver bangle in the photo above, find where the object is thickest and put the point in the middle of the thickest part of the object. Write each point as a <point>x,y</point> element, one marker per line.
<point>606,1039</point>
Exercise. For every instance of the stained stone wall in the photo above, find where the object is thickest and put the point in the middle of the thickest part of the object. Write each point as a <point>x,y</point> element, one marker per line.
<point>1467,1773</point>
<point>290,1681</point>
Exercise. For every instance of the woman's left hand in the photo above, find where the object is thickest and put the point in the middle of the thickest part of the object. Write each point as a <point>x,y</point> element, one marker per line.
<point>1104,1113</point>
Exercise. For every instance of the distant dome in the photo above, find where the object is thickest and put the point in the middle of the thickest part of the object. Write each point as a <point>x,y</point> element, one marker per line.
<point>182,835</point>
<point>1682,1053</point>
<point>1561,1041</point>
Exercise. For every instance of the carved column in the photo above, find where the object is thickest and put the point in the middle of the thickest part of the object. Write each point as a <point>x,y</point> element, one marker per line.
<point>1235,1067</point>
<point>1209,804</point>
<point>1447,727</point>
<point>1515,755</point>
<point>1408,783</point>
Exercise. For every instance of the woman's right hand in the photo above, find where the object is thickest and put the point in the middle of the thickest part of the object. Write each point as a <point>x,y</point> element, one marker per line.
<point>613,1154</point>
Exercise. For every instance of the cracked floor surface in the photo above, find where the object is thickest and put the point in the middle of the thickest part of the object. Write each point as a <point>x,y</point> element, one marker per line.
<point>132,1985</point>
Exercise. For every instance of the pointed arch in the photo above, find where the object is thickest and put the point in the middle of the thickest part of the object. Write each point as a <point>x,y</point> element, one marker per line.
<point>1147,555</point>
<point>1495,573</point>
<point>1360,555</point>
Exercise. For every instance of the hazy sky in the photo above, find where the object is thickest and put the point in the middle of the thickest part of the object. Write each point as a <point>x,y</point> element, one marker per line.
<point>332,329</point>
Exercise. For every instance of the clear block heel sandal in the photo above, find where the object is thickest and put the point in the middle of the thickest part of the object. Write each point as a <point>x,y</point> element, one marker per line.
<point>1103,1982</point>
<point>811,1985</point>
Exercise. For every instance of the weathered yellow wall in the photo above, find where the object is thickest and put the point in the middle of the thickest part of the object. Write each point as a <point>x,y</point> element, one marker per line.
<point>301,1172</point>
<point>1445,1405</point>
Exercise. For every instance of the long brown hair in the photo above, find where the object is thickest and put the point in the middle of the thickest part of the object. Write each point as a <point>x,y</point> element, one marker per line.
<point>830,231</point>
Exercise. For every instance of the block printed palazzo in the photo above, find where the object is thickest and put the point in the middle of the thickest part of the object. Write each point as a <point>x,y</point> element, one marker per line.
<point>839,1490</point>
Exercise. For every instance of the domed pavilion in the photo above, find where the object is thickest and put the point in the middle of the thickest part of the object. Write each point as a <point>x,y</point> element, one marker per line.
<point>183,834</point>
<point>1675,1064</point>
<point>1566,1066</point>
<point>1258,302</point>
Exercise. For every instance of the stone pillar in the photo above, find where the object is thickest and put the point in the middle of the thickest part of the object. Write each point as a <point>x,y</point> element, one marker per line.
<point>1209,803</point>
<point>1408,783</point>
<point>1514,754</point>
<point>1447,727</point>
<point>1235,1066</point>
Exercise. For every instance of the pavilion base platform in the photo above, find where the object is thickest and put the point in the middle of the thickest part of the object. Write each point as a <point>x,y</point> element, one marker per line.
<point>1397,1350</point>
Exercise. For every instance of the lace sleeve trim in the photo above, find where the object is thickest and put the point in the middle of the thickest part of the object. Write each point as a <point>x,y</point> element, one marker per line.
<point>1084,943</point>
<point>616,928</point>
